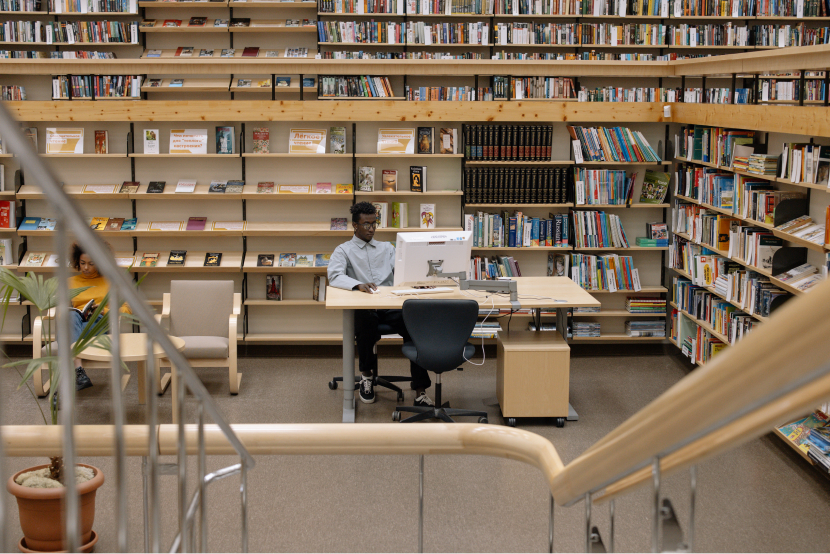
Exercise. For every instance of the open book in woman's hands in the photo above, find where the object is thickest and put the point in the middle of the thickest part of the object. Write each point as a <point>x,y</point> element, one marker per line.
<point>87,310</point>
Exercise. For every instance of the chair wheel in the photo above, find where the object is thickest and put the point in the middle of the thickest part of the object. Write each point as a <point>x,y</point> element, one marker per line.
<point>510,421</point>
<point>396,416</point>
<point>332,385</point>
<point>560,421</point>
<point>483,420</point>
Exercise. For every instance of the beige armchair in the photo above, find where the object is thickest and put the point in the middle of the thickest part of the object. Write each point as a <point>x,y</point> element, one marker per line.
<point>204,314</point>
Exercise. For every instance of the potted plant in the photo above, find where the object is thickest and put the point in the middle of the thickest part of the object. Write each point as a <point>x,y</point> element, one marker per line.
<point>39,490</point>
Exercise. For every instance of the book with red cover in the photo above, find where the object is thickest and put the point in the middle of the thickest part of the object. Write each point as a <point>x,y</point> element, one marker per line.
<point>172,23</point>
<point>196,224</point>
<point>6,214</point>
<point>250,52</point>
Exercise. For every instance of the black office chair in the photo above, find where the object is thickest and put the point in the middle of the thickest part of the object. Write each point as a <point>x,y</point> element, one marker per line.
<point>440,331</point>
<point>379,380</point>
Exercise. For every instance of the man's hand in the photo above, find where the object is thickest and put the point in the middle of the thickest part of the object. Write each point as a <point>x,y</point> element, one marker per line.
<point>367,287</point>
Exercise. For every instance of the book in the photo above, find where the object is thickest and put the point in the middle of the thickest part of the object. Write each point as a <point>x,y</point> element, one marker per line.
<point>427,216</point>
<point>172,23</point>
<point>265,260</point>
<point>283,82</point>
<point>390,180</point>
<point>185,185</point>
<point>338,224</point>
<point>176,82</point>
<point>129,224</point>
<point>272,54</point>
<point>318,290</point>
<point>47,224</point>
<point>322,260</point>
<point>7,214</point>
<point>655,187</point>
<point>417,178</point>
<point>243,83</point>
<point>196,224</point>
<point>184,51</point>
<point>206,53</point>
<point>265,188</point>
<point>176,257</point>
<point>343,188</point>
<point>448,141</point>
<point>218,187</point>
<point>154,54</point>
<point>273,287</point>
<point>220,22</point>
<point>308,82</point>
<point>7,253</point>
<point>307,141</point>
<point>149,259</point>
<point>197,22</point>
<point>558,265</point>
<point>240,22</point>
<point>262,139</point>
<point>366,179</point>
<point>155,187</point>
<point>129,186</point>
<point>155,82</point>
<point>29,224</point>
<point>35,259</point>
<point>86,311</point>
<point>235,187</point>
<point>227,53</point>
<point>338,140</point>
<point>399,215</point>
<point>250,52</point>
<point>151,141</point>
<point>396,141</point>
<point>64,140</point>
<point>425,140</point>
<point>382,209</point>
<point>304,260</point>
<point>224,140</point>
<point>114,224</point>
<point>98,223</point>
<point>287,259</point>
<point>264,83</point>
<point>213,259</point>
<point>294,189</point>
<point>101,142</point>
<point>188,141</point>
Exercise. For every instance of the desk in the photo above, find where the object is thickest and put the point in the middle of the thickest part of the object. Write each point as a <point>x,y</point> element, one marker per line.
<point>534,292</point>
<point>134,349</point>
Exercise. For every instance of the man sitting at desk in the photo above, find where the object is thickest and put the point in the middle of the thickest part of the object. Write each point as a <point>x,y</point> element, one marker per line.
<point>362,264</point>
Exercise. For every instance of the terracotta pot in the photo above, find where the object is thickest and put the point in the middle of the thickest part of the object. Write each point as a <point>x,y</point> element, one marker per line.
<point>41,511</point>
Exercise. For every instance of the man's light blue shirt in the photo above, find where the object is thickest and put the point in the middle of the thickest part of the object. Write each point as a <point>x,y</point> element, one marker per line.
<point>357,261</point>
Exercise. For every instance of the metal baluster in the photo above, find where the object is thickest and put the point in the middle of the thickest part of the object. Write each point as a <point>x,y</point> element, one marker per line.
<point>3,546</point>
<point>182,462</point>
<point>655,513</point>
<point>588,522</point>
<point>421,503</point>
<point>244,491</point>
<point>118,414</point>
<point>550,527</point>
<point>202,487</point>
<point>152,423</point>
<point>146,493</point>
<point>67,392</point>
<point>693,492</point>
<point>611,530</point>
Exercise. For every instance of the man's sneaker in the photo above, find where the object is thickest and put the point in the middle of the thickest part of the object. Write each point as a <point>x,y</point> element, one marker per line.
<point>82,380</point>
<point>367,390</point>
<point>424,400</point>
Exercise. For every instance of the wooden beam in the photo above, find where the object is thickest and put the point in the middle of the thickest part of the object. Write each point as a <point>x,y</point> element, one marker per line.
<point>338,110</point>
<point>802,120</point>
<point>779,60</point>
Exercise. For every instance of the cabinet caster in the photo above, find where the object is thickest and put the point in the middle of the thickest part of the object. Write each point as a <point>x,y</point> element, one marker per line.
<point>510,421</point>
<point>396,416</point>
<point>560,421</point>
<point>483,420</point>
<point>332,385</point>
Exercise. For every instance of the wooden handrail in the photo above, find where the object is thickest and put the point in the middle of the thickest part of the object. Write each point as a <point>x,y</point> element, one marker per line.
<point>792,345</point>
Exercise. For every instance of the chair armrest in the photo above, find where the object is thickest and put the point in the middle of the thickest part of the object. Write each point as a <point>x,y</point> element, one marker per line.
<point>165,306</point>
<point>232,332</point>
<point>237,303</point>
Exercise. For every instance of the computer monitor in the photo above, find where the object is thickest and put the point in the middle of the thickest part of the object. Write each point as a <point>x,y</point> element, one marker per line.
<point>419,256</point>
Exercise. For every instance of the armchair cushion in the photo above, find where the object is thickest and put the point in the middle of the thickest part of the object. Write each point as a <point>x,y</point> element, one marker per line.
<point>205,347</point>
<point>54,349</point>
<point>200,308</point>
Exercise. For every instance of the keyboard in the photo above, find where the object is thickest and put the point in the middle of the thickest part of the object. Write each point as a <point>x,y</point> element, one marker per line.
<point>436,290</point>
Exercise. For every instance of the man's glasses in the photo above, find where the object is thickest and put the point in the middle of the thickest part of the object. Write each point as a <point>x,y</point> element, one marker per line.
<point>368,226</point>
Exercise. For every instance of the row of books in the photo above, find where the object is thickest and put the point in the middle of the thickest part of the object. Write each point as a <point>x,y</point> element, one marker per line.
<point>710,34</point>
<point>598,230</point>
<point>586,329</point>
<point>771,90</point>
<point>634,94</point>
<point>790,35</point>
<point>542,87</point>
<point>354,86</point>
<point>536,33</point>
<point>500,185</point>
<point>245,52</point>
<point>610,272</point>
<point>805,228</point>
<point>645,328</point>
<point>457,94</point>
<point>474,33</point>
<point>517,231</point>
<point>645,305</point>
<point>50,32</point>
<point>508,142</point>
<point>20,5</point>
<point>629,34</point>
<point>63,55</point>
<point>98,86</point>
<point>93,6</point>
<point>722,316</point>
<point>494,267</point>
<point>611,144</point>
<point>273,288</point>
<point>12,92</point>
<point>370,32</point>
<point>293,259</point>
<point>808,163</point>
<point>713,144</point>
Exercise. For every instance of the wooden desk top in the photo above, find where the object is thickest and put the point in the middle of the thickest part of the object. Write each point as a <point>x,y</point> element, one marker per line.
<point>534,292</point>
<point>133,349</point>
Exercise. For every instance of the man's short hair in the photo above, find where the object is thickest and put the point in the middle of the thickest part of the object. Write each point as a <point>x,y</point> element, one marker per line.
<point>362,208</point>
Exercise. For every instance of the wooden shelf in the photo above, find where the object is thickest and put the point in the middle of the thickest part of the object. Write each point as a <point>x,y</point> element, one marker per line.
<point>182,4</point>
<point>271,4</point>
<point>614,249</point>
<point>298,229</point>
<point>410,193</point>
<point>287,155</point>
<point>372,15</point>
<point>792,445</point>
<point>273,26</point>
<point>251,266</point>
<point>711,330</point>
<point>18,12</point>
<point>296,338</point>
<point>32,192</point>
<point>88,156</point>
<point>361,155</point>
<point>621,206</point>
<point>229,156</point>
<point>142,230</point>
<point>201,192</point>
<point>283,303</point>
<point>617,337</point>
<point>512,163</point>
<point>616,313</point>
<point>194,262</point>
<point>387,98</point>
<point>522,249</point>
<point>208,27</point>
<point>292,196</point>
<point>643,290</point>
<point>547,206</point>
<point>221,84</point>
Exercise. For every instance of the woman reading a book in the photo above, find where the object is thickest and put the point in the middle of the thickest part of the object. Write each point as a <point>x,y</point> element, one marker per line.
<point>86,303</point>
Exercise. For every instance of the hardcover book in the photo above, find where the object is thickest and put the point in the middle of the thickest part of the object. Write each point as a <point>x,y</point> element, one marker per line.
<point>318,291</point>
<point>29,224</point>
<point>307,141</point>
<point>243,83</point>
<point>35,259</point>
<point>262,139</point>
<point>235,187</point>
<point>7,216</point>
<point>250,52</point>
<point>344,188</point>
<point>322,260</point>
<point>390,180</point>
<point>338,140</point>
<point>224,140</point>
<point>304,260</point>
<point>283,82</point>
<point>399,215</point>
<point>172,23</point>
<point>197,22</point>
<point>206,53</point>
<point>184,51</point>
<point>366,179</point>
<point>448,141</point>
<point>129,224</point>
<point>417,178</point>
<point>101,142</point>
<point>188,141</point>
<point>220,22</point>
<point>272,54</point>
<point>185,185</point>
<point>46,224</point>
<point>382,209</point>
<point>151,141</point>
<point>64,141</point>
<point>129,186</point>
<point>218,187</point>
<point>227,53</point>
<point>98,223</point>
<point>176,257</point>
<point>154,54</point>
<point>196,224</point>
<point>149,259</point>
<point>273,287</point>
<point>338,224</point>
<point>265,260</point>
<point>322,188</point>
<point>287,259</point>
<point>427,216</point>
<point>114,224</point>
<point>155,187</point>
<point>425,140</point>
<point>213,259</point>
<point>265,188</point>
<point>655,187</point>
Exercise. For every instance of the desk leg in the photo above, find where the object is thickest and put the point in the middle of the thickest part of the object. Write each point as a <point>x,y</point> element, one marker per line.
<point>562,326</point>
<point>141,372</point>
<point>348,366</point>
